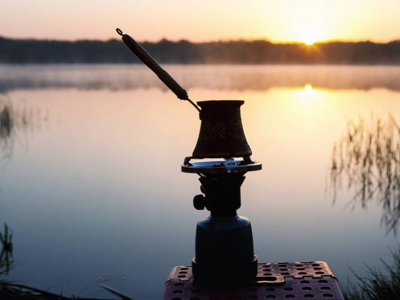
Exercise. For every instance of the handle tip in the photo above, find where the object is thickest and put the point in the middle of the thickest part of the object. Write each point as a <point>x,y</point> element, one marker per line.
<point>119,31</point>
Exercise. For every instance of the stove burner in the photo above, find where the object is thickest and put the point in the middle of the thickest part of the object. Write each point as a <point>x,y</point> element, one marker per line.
<point>224,240</point>
<point>226,166</point>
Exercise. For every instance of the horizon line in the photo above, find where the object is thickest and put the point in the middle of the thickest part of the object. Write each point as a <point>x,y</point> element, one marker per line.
<point>238,39</point>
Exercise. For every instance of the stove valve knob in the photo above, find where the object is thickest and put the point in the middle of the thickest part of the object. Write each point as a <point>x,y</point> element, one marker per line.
<point>199,202</point>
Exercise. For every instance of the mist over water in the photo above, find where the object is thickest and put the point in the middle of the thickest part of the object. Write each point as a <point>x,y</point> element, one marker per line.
<point>228,77</point>
<point>94,194</point>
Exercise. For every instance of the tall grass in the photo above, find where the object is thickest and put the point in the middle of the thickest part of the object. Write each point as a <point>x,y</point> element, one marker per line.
<point>378,285</point>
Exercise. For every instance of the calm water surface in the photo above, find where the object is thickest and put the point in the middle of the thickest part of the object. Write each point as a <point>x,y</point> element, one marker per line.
<point>90,175</point>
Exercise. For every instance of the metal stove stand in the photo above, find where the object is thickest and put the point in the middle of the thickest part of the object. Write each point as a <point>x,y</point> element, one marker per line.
<point>281,281</point>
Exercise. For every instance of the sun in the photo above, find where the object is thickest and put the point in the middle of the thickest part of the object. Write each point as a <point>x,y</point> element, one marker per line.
<point>309,35</point>
<point>309,41</point>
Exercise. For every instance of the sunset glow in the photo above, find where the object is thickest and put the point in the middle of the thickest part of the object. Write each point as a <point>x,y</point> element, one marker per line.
<point>283,21</point>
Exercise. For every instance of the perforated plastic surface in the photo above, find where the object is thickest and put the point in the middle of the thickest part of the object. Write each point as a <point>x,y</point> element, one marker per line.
<point>298,280</point>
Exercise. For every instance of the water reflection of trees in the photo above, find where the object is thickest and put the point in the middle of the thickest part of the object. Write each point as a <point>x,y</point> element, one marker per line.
<point>368,158</point>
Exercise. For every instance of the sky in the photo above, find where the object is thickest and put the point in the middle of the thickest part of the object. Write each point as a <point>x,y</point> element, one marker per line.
<point>206,20</point>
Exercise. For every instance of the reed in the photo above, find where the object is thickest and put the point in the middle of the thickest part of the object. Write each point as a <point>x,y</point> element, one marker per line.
<point>6,260</point>
<point>11,290</point>
<point>367,159</point>
<point>378,285</point>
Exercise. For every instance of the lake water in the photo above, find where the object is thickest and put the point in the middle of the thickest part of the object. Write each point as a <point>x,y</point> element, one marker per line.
<point>90,172</point>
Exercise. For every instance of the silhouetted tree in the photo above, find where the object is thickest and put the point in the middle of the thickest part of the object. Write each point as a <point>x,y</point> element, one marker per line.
<point>17,51</point>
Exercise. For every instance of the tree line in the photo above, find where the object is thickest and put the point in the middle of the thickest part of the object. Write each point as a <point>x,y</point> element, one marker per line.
<point>30,51</point>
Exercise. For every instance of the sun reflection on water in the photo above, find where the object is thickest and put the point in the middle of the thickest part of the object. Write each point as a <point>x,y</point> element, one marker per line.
<point>308,88</point>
